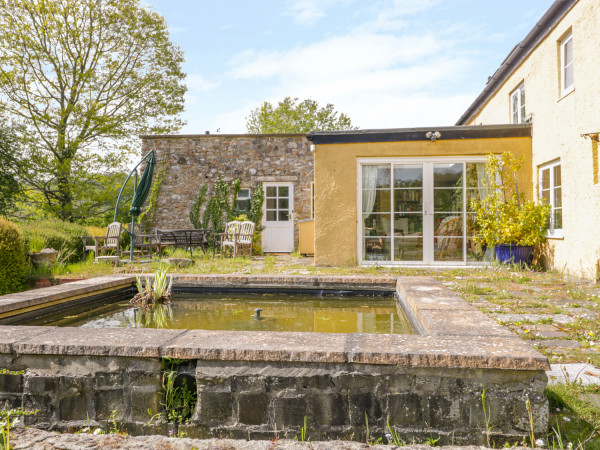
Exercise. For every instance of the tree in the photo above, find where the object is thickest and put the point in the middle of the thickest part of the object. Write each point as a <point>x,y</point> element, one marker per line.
<point>292,117</point>
<point>81,79</point>
<point>9,187</point>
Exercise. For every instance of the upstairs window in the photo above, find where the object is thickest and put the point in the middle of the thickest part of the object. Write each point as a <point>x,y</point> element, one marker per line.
<point>567,83</point>
<point>550,188</point>
<point>517,105</point>
<point>243,200</point>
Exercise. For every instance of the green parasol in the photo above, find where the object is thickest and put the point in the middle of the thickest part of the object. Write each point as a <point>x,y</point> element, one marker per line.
<point>140,193</point>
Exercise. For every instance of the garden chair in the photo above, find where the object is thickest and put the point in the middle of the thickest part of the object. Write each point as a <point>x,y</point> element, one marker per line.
<point>450,226</point>
<point>103,244</point>
<point>142,243</point>
<point>238,236</point>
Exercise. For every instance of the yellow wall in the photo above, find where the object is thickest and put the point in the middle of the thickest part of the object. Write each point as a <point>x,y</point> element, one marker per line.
<point>558,124</point>
<point>336,184</point>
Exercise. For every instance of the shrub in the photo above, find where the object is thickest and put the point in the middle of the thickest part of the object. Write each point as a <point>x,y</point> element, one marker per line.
<point>13,262</point>
<point>56,234</point>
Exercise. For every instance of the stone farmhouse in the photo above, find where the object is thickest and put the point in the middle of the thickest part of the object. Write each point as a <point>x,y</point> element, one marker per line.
<point>551,80</point>
<point>400,196</point>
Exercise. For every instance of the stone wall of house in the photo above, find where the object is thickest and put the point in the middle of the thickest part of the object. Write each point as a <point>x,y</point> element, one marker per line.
<point>194,160</point>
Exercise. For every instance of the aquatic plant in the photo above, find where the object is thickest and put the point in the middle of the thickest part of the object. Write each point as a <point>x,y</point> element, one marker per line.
<point>156,290</point>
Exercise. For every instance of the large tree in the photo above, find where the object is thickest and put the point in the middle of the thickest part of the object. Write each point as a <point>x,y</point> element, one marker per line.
<point>80,80</point>
<point>292,117</point>
<point>9,156</point>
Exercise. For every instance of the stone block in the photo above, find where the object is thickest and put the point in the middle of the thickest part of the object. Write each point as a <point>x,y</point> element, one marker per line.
<point>73,407</point>
<point>363,403</point>
<point>253,409</point>
<point>443,412</point>
<point>143,399</point>
<point>289,411</point>
<point>109,403</point>
<point>215,407</point>
<point>41,385</point>
<point>404,410</point>
<point>108,380</point>
<point>330,409</point>
<point>194,431</point>
<point>10,401</point>
<point>11,383</point>
<point>45,406</point>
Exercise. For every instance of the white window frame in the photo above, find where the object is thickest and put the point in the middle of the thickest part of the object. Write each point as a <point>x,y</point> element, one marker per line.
<point>518,92</point>
<point>553,233</point>
<point>564,90</point>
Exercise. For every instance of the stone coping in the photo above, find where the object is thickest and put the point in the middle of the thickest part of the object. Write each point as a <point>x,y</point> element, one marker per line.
<point>454,334</point>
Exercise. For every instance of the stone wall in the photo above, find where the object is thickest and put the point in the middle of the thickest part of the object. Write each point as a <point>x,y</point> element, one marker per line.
<point>259,400</point>
<point>194,160</point>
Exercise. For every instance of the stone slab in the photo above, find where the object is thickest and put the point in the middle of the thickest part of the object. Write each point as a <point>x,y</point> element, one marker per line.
<point>461,323</point>
<point>586,374</point>
<point>141,342</point>
<point>11,334</point>
<point>258,346</point>
<point>37,297</point>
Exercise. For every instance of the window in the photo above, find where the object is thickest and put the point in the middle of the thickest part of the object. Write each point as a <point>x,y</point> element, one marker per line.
<point>566,65</point>
<point>517,105</point>
<point>551,191</point>
<point>243,200</point>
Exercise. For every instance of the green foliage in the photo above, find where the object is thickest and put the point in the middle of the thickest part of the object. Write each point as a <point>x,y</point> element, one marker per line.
<point>179,399</point>
<point>146,218</point>
<point>13,262</point>
<point>504,216</point>
<point>57,234</point>
<point>9,154</point>
<point>292,117</point>
<point>155,290</point>
<point>197,207</point>
<point>8,419</point>
<point>221,206</point>
<point>81,80</point>
<point>256,204</point>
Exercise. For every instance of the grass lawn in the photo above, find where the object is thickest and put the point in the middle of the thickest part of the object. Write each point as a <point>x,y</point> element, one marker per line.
<point>558,315</point>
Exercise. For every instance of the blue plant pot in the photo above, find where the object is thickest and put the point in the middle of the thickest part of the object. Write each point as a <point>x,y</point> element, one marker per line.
<point>512,253</point>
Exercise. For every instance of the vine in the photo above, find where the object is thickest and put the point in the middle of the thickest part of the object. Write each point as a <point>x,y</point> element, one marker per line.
<point>197,206</point>
<point>149,214</point>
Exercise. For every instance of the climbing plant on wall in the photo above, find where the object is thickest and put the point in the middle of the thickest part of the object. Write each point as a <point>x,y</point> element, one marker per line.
<point>148,215</point>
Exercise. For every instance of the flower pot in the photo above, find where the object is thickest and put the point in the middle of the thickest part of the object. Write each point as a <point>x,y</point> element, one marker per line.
<point>512,253</point>
<point>46,257</point>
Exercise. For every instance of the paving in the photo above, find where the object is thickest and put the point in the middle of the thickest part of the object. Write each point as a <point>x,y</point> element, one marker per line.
<point>584,374</point>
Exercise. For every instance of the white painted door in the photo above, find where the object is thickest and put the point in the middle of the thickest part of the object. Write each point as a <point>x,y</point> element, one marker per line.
<point>278,218</point>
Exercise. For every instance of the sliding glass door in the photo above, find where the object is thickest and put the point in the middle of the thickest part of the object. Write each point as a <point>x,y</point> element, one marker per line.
<point>418,212</point>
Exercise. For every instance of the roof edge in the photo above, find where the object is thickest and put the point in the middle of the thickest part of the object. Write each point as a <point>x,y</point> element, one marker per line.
<point>419,134</point>
<point>207,136</point>
<point>518,54</point>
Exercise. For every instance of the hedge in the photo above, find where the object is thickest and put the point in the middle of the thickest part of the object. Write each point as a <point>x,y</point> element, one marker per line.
<point>56,234</point>
<point>13,259</point>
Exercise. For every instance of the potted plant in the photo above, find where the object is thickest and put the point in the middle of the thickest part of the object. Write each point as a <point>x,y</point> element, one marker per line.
<point>504,218</point>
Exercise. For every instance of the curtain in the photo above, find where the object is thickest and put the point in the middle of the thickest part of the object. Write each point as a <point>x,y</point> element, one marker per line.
<point>482,180</point>
<point>369,184</point>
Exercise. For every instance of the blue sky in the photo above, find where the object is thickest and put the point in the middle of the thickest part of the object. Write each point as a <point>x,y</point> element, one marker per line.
<point>387,64</point>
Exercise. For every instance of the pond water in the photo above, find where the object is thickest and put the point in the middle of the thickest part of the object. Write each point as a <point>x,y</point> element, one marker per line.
<point>280,312</point>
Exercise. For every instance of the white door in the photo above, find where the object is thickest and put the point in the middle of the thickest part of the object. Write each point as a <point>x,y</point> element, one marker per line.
<point>278,218</point>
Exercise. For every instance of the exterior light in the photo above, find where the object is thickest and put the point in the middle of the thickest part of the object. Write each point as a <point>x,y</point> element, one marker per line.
<point>433,135</point>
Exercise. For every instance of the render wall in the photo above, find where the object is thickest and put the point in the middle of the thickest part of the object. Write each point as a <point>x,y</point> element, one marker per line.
<point>557,128</point>
<point>336,184</point>
<point>194,160</point>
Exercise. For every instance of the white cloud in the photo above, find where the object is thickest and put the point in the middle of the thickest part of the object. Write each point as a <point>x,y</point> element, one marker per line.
<point>307,12</point>
<point>196,82</point>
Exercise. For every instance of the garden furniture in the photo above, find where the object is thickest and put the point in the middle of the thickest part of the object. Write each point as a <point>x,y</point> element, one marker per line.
<point>110,242</point>
<point>238,236</point>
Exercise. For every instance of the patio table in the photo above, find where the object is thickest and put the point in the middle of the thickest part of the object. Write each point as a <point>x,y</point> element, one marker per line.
<point>185,238</point>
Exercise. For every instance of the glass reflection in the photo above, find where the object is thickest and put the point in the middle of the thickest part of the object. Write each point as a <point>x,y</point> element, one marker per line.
<point>447,175</point>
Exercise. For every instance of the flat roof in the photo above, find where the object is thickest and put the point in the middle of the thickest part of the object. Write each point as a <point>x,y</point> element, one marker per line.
<point>209,135</point>
<point>420,134</point>
<point>518,54</point>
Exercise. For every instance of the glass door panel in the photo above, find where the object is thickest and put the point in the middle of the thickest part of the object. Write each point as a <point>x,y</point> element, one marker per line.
<point>376,212</point>
<point>448,216</point>
<point>408,212</point>
<point>476,188</point>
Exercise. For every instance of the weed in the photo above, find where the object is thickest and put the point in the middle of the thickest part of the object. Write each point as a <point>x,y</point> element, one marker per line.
<point>8,419</point>
<point>303,434</point>
<point>432,442</point>
<point>486,417</point>
<point>393,437</point>
<point>530,413</point>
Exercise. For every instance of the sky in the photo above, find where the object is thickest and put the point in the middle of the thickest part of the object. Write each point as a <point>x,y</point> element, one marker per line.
<point>384,63</point>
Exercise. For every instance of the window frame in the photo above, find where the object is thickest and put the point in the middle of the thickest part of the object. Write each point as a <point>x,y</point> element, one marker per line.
<point>521,109</point>
<point>565,90</point>
<point>248,199</point>
<point>552,232</point>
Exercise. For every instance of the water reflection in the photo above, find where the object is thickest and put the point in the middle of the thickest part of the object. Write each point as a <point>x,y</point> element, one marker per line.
<point>154,315</point>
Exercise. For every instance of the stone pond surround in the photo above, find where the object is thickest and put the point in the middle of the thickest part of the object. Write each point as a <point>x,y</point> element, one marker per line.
<point>194,160</point>
<point>260,385</point>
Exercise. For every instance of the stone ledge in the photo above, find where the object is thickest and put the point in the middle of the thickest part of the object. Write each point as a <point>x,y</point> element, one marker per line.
<point>36,297</point>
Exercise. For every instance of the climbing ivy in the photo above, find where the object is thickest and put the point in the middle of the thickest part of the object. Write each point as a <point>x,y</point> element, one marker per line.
<point>256,204</point>
<point>197,207</point>
<point>149,214</point>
